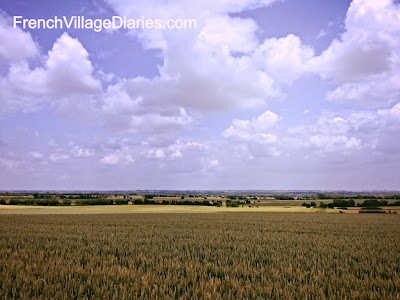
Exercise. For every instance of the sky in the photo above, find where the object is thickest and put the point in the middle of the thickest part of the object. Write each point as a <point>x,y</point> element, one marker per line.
<point>262,94</point>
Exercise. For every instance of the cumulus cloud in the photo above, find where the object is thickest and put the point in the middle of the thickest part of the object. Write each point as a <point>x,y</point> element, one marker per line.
<point>377,91</point>
<point>184,9</point>
<point>212,164</point>
<point>121,156</point>
<point>329,143</point>
<point>330,135</point>
<point>16,45</point>
<point>258,134</point>
<point>138,105</point>
<point>175,151</point>
<point>391,114</point>
<point>36,155</point>
<point>110,159</point>
<point>55,157</point>
<point>9,163</point>
<point>68,68</point>
<point>284,59</point>
<point>81,152</point>
<point>218,66</point>
<point>200,11</point>
<point>22,89</point>
<point>129,107</point>
<point>156,153</point>
<point>67,71</point>
<point>125,152</point>
<point>231,34</point>
<point>348,132</point>
<point>365,59</point>
<point>258,129</point>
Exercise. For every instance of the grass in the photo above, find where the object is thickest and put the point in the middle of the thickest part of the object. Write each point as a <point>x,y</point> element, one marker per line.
<point>199,256</point>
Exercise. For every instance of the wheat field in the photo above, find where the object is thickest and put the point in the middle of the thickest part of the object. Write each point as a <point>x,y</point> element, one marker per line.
<point>200,256</point>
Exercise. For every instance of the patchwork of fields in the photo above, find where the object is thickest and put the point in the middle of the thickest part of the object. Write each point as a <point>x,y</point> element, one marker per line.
<point>200,256</point>
<point>107,209</point>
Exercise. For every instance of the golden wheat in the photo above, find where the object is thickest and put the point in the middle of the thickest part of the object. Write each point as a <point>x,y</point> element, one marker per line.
<point>200,256</point>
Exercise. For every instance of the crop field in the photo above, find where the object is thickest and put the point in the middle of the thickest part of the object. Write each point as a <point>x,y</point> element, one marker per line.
<point>200,256</point>
<point>107,209</point>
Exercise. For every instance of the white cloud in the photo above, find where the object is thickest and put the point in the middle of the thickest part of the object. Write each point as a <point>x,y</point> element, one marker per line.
<point>260,149</point>
<point>174,151</point>
<point>214,163</point>
<point>117,157</point>
<point>226,33</point>
<point>329,143</point>
<point>253,130</point>
<point>373,92</point>
<point>322,33</point>
<point>22,89</point>
<point>365,59</point>
<point>110,159</point>
<point>157,154</point>
<point>157,123</point>
<point>55,157</point>
<point>81,152</point>
<point>284,59</point>
<point>129,159</point>
<point>202,69</point>
<point>66,72</point>
<point>16,45</point>
<point>177,150</point>
<point>36,155</point>
<point>219,81</point>
<point>210,165</point>
<point>52,143</point>
<point>9,163</point>
<point>258,135</point>
<point>199,10</point>
<point>69,69</point>
<point>331,135</point>
<point>176,154</point>
<point>184,9</point>
<point>391,113</point>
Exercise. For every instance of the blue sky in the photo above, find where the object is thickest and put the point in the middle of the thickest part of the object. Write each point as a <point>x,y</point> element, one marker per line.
<point>263,94</point>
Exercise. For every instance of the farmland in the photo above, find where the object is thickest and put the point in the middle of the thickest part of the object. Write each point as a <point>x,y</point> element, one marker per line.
<point>123,209</point>
<point>203,256</point>
<point>198,201</point>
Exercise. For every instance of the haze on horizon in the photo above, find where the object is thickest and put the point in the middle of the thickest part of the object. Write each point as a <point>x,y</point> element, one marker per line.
<point>262,95</point>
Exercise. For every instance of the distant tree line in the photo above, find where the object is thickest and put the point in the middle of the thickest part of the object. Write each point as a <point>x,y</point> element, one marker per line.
<point>283,197</point>
<point>373,203</point>
<point>101,201</point>
<point>81,196</point>
<point>322,196</point>
<point>41,202</point>
<point>173,202</point>
<point>308,205</point>
<point>230,203</point>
